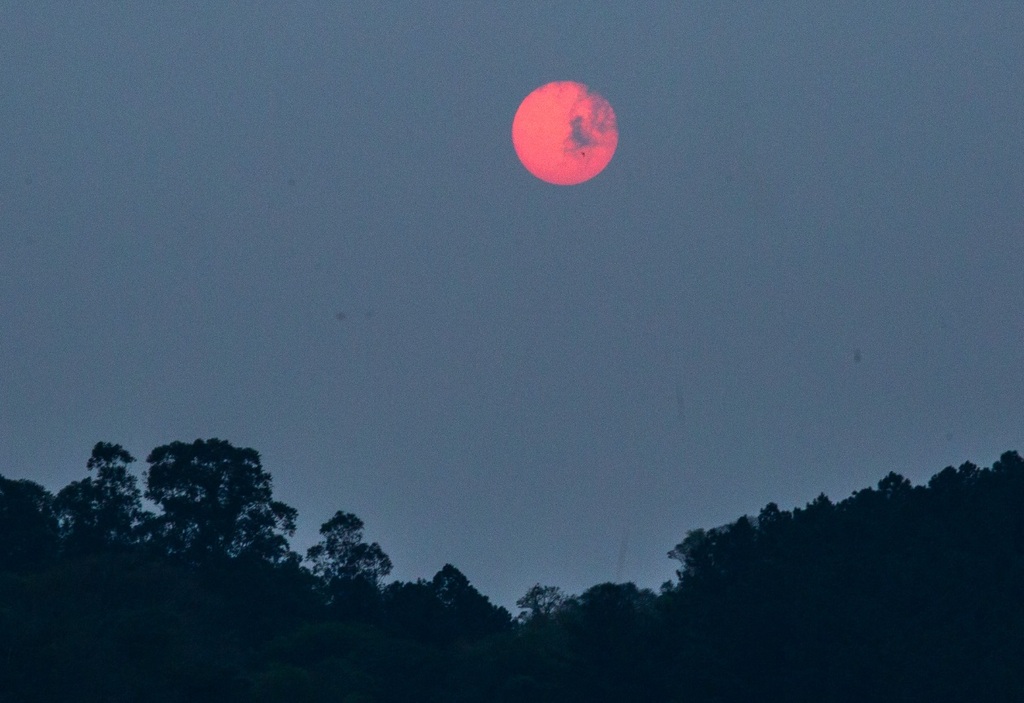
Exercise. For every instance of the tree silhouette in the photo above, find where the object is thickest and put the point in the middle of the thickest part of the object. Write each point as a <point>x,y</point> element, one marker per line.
<point>28,525</point>
<point>471,614</point>
<point>898,592</point>
<point>217,503</point>
<point>541,603</point>
<point>443,610</point>
<point>101,512</point>
<point>349,570</point>
<point>341,553</point>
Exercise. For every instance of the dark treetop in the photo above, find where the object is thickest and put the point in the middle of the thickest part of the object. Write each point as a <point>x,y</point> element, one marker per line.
<point>897,593</point>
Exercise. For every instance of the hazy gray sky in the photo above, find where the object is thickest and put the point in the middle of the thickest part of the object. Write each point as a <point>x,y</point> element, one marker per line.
<point>302,227</point>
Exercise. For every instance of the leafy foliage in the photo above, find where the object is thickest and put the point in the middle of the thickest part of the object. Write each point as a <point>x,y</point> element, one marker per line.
<point>28,525</point>
<point>444,610</point>
<point>217,503</point>
<point>541,603</point>
<point>341,554</point>
<point>104,512</point>
<point>899,592</point>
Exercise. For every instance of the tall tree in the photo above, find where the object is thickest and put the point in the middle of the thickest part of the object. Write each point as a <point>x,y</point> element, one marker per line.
<point>101,512</point>
<point>443,610</point>
<point>541,603</point>
<point>342,554</point>
<point>28,527</point>
<point>350,571</point>
<point>217,502</point>
<point>471,613</point>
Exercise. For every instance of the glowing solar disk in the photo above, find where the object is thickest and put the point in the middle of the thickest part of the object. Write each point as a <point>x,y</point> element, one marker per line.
<point>564,133</point>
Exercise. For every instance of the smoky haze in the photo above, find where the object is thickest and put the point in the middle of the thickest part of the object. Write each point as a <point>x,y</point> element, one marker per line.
<point>304,229</point>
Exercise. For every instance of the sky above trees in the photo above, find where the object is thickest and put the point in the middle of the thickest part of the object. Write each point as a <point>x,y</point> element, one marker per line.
<point>304,228</point>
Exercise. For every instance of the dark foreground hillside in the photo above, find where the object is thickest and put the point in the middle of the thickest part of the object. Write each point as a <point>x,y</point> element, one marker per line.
<point>898,593</point>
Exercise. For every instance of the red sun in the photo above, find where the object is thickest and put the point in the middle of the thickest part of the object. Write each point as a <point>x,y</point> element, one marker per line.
<point>564,133</point>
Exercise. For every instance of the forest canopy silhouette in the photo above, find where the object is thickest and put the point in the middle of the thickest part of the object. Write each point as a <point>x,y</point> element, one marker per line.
<point>184,587</point>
